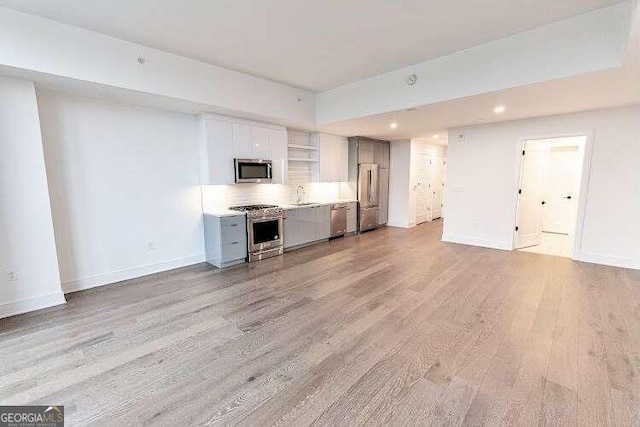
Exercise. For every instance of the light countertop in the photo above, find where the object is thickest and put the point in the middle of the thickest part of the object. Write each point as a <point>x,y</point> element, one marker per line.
<point>223,212</point>
<point>227,212</point>
<point>294,206</point>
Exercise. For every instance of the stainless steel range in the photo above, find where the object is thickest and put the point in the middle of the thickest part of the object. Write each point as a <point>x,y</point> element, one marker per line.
<point>264,230</point>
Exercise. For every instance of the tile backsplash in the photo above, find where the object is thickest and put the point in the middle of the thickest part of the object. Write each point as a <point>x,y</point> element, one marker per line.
<point>222,196</point>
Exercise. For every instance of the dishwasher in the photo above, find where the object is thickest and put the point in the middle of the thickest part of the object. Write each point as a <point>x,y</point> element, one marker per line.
<point>338,219</point>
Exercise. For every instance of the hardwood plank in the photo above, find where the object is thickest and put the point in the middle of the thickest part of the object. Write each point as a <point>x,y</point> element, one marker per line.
<point>391,327</point>
<point>595,406</point>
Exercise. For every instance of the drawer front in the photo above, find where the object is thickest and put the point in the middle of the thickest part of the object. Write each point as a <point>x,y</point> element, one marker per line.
<point>233,221</point>
<point>234,251</point>
<point>234,231</point>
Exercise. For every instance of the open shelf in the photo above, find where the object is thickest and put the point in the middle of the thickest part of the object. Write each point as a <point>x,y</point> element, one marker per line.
<point>303,147</point>
<point>303,156</point>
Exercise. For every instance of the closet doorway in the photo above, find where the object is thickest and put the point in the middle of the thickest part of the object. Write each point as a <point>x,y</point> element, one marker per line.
<point>548,196</point>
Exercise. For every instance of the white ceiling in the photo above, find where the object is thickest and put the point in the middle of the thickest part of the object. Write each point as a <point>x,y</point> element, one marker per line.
<point>310,44</point>
<point>611,88</point>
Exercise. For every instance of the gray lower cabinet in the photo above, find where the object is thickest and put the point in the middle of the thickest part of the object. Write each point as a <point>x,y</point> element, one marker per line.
<point>225,239</point>
<point>306,225</point>
<point>352,216</point>
<point>323,222</point>
<point>291,225</point>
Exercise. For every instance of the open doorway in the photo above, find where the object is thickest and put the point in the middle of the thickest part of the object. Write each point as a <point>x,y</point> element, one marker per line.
<point>548,196</point>
<point>429,163</point>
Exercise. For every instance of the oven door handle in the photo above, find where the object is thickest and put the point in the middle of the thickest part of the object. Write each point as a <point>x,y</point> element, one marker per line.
<point>265,218</point>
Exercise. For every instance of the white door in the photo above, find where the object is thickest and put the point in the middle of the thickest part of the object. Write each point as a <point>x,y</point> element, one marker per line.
<point>422,186</point>
<point>437,185</point>
<point>532,181</point>
<point>561,192</point>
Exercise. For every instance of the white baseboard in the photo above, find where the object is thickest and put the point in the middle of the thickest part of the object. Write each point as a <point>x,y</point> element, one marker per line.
<point>131,273</point>
<point>31,304</point>
<point>398,224</point>
<point>608,260</point>
<point>475,241</point>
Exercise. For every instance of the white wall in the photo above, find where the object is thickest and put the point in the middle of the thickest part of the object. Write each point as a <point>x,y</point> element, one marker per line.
<point>402,179</point>
<point>27,245</point>
<point>216,197</point>
<point>121,178</point>
<point>53,49</point>
<point>581,44</point>
<point>483,173</point>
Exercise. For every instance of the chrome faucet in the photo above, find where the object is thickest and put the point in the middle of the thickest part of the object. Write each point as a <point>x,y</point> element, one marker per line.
<point>300,187</point>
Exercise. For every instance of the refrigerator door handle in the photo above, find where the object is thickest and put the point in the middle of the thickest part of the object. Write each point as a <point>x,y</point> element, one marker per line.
<point>374,187</point>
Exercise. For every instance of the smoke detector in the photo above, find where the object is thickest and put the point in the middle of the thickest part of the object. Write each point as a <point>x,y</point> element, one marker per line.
<point>412,79</point>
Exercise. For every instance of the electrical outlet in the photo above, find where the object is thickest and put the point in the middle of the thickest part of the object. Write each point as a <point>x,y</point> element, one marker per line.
<point>151,245</point>
<point>10,275</point>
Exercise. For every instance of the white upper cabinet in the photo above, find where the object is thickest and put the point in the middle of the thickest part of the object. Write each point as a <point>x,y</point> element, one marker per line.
<point>334,157</point>
<point>241,141</point>
<point>260,142</point>
<point>226,138</point>
<point>216,153</point>
<point>278,142</point>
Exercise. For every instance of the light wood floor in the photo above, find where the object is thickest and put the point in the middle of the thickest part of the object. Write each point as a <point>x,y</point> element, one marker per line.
<point>391,327</point>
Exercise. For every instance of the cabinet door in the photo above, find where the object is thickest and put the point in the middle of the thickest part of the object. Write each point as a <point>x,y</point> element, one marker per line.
<point>279,150</point>
<point>365,152</point>
<point>352,216</point>
<point>334,158</point>
<point>307,224</point>
<point>291,233</point>
<point>386,155</point>
<point>384,196</point>
<point>378,153</point>
<point>323,222</point>
<point>260,142</point>
<point>217,153</point>
<point>342,159</point>
<point>242,141</point>
<point>326,155</point>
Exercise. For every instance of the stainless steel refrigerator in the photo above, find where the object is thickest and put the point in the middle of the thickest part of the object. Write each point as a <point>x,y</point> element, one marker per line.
<point>368,196</point>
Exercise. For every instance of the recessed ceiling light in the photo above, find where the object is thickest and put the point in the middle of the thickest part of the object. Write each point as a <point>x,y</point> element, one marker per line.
<point>499,109</point>
<point>436,136</point>
<point>393,125</point>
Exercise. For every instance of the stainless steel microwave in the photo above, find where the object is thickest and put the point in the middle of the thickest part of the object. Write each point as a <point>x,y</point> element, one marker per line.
<point>253,170</point>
